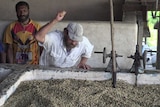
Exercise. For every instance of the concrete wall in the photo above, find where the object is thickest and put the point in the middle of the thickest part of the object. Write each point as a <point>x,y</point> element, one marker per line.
<point>92,14</point>
<point>99,34</point>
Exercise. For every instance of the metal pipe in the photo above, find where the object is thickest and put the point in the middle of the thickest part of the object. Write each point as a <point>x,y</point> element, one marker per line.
<point>156,5</point>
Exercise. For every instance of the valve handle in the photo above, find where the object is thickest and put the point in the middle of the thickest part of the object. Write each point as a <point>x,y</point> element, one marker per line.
<point>104,54</point>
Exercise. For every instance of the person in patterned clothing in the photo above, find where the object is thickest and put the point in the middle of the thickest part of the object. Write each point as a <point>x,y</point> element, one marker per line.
<point>21,45</point>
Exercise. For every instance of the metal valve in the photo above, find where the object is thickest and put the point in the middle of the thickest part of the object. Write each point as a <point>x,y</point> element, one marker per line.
<point>105,55</point>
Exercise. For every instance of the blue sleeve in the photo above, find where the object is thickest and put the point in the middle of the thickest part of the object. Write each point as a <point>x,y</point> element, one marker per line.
<point>1,47</point>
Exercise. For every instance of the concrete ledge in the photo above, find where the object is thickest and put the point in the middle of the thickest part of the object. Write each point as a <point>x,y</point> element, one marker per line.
<point>3,73</point>
<point>26,73</point>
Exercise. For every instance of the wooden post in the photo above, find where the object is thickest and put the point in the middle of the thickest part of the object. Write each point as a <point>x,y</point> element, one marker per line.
<point>112,42</point>
<point>157,26</point>
<point>158,50</point>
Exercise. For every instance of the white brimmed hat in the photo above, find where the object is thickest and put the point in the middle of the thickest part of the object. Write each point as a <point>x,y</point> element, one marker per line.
<point>75,31</point>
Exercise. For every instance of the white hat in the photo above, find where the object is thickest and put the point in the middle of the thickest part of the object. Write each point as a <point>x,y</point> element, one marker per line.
<point>75,31</point>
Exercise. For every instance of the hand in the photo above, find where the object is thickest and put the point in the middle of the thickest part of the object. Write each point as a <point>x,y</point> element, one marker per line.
<point>60,15</point>
<point>84,66</point>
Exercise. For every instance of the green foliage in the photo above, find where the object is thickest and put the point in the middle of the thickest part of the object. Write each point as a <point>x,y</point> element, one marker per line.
<point>152,41</point>
<point>152,20</point>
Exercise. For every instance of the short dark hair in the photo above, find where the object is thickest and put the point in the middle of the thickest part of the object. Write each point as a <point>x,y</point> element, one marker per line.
<point>22,3</point>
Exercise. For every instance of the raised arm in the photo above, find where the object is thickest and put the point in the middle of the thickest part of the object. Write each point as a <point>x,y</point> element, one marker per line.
<point>40,35</point>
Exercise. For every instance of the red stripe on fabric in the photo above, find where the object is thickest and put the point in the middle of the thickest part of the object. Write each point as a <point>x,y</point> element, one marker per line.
<point>19,28</point>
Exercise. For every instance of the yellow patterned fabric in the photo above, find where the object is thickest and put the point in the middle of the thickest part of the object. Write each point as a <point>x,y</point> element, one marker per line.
<point>25,47</point>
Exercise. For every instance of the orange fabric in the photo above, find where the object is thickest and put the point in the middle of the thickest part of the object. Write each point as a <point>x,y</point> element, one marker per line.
<point>25,46</point>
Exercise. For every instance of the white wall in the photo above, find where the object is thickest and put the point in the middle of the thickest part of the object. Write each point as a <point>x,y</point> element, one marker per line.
<point>98,33</point>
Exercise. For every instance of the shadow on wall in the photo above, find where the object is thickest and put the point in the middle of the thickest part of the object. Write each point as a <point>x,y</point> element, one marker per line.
<point>86,10</point>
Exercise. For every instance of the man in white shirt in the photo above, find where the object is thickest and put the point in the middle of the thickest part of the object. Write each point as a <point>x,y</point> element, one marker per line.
<point>64,48</point>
